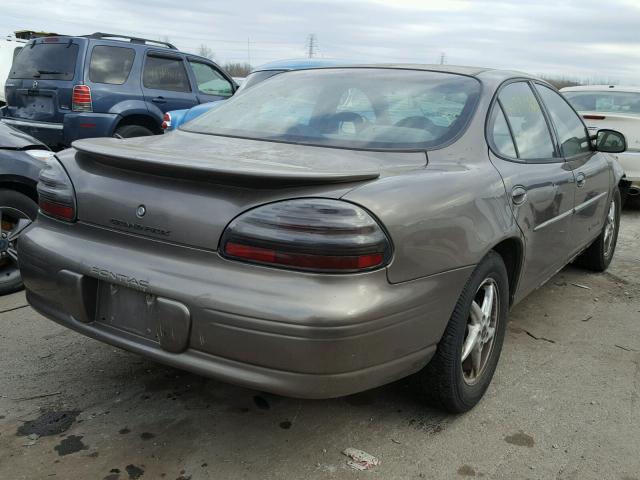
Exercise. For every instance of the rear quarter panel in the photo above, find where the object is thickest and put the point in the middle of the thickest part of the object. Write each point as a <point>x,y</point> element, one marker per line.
<point>445,217</point>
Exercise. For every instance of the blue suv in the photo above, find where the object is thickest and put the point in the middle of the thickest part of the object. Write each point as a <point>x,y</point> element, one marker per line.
<point>63,88</point>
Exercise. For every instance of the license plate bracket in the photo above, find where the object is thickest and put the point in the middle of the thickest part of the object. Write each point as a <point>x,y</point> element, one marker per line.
<point>146,315</point>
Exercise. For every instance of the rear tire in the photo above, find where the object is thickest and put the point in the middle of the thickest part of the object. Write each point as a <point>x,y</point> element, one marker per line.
<point>600,253</point>
<point>14,206</point>
<point>448,381</point>
<point>130,131</point>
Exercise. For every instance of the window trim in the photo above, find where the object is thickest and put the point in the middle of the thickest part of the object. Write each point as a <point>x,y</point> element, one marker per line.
<point>489,138</point>
<point>577,156</point>
<point>215,67</point>
<point>168,56</point>
<point>111,46</point>
<point>506,119</point>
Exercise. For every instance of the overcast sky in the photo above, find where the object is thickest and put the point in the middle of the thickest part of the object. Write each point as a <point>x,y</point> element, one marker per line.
<point>587,39</point>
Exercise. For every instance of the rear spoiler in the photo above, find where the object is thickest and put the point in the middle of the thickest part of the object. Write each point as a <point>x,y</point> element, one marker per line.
<point>214,167</point>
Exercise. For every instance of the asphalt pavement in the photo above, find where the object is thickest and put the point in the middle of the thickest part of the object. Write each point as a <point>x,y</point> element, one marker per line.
<point>564,404</point>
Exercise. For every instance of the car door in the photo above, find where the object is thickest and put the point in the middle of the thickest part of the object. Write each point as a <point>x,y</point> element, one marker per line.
<point>210,83</point>
<point>591,168</point>
<point>165,82</point>
<point>541,186</point>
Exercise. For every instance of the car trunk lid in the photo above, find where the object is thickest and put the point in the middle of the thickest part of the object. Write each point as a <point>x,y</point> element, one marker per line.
<point>185,188</point>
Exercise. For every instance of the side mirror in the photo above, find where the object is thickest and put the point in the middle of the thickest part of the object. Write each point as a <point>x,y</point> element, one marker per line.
<point>610,141</point>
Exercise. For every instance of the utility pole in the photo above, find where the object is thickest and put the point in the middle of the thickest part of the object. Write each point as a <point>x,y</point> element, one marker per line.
<point>312,45</point>
<point>248,51</point>
<point>443,58</point>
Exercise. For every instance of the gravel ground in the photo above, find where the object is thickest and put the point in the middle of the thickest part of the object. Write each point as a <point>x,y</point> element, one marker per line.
<point>563,404</point>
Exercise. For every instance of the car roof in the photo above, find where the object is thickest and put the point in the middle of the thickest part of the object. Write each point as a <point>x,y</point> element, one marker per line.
<point>602,88</point>
<point>307,63</point>
<point>301,63</point>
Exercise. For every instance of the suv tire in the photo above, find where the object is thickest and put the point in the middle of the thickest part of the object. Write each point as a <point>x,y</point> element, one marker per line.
<point>130,131</point>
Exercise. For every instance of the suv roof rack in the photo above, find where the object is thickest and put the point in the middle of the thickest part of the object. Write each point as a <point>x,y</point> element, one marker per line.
<point>143,41</point>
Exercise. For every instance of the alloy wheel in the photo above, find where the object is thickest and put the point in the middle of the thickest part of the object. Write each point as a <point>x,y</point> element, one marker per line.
<point>481,330</point>
<point>609,229</point>
<point>12,223</point>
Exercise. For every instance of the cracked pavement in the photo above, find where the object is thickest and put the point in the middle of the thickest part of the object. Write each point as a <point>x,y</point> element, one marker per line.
<point>563,404</point>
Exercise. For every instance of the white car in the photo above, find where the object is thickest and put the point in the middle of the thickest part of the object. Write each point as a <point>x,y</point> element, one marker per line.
<point>9,48</point>
<point>617,108</point>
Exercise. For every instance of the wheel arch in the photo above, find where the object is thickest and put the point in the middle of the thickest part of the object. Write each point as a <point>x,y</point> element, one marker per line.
<point>512,252</point>
<point>26,186</point>
<point>139,119</point>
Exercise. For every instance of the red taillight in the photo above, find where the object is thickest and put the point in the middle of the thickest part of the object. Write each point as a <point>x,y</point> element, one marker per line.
<point>56,210</point>
<point>594,117</point>
<point>313,234</point>
<point>303,260</point>
<point>56,195</point>
<point>166,121</point>
<point>81,100</point>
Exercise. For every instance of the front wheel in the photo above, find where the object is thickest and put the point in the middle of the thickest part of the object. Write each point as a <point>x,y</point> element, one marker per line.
<point>17,211</point>
<point>600,253</point>
<point>462,368</point>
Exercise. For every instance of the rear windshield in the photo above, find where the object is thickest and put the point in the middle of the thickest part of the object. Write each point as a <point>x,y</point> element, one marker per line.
<point>349,107</point>
<point>46,61</point>
<point>610,102</point>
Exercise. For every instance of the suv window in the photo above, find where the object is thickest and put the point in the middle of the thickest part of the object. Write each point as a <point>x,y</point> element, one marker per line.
<point>110,64</point>
<point>500,134</point>
<point>572,134</point>
<point>46,61</point>
<point>210,81</point>
<point>165,73</point>
<point>530,130</point>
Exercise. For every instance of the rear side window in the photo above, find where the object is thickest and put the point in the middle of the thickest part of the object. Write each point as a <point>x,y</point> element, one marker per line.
<point>46,61</point>
<point>210,81</point>
<point>572,133</point>
<point>500,133</point>
<point>164,73</point>
<point>530,130</point>
<point>110,64</point>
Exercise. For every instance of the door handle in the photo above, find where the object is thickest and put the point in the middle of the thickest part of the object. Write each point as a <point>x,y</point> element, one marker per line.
<point>159,100</point>
<point>518,195</point>
<point>581,179</point>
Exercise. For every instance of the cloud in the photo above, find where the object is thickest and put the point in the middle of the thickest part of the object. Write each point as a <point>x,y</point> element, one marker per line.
<point>571,38</point>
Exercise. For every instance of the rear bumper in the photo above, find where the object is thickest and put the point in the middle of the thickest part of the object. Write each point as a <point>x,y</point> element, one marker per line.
<point>75,126</point>
<point>302,335</point>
